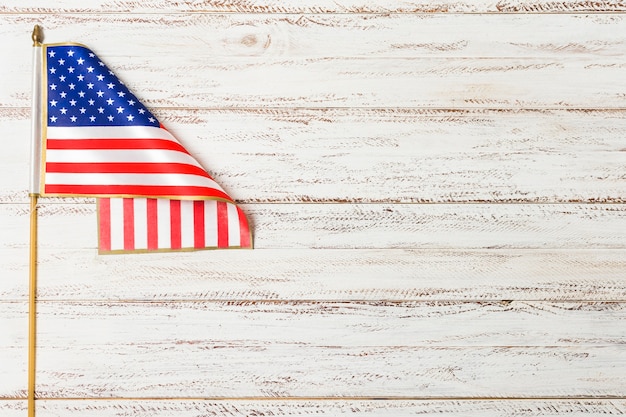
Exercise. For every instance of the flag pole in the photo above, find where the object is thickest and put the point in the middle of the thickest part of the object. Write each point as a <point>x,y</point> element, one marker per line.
<point>35,156</point>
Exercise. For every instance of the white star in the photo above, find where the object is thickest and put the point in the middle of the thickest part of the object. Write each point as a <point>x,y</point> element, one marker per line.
<point>53,103</point>
<point>73,118</point>
<point>131,102</point>
<point>101,64</point>
<point>100,93</point>
<point>90,86</point>
<point>53,70</point>
<point>63,110</point>
<point>53,86</point>
<point>89,69</point>
<point>61,61</point>
<point>152,120</point>
<point>91,102</point>
<point>70,53</point>
<point>82,110</point>
<point>130,117</point>
<point>120,109</point>
<point>72,85</point>
<point>70,70</point>
<point>100,77</point>
<point>91,55</point>
<point>53,119</point>
<point>121,93</point>
<point>81,77</point>
<point>72,102</point>
<point>110,72</point>
<point>110,102</point>
<point>63,94</point>
<point>110,118</point>
<point>62,78</point>
<point>92,118</point>
<point>100,110</point>
<point>110,85</point>
<point>81,94</point>
<point>51,53</point>
<point>80,61</point>
<point>141,111</point>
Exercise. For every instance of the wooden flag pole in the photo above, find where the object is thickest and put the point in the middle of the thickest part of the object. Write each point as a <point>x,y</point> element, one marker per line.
<point>32,305</point>
<point>37,37</point>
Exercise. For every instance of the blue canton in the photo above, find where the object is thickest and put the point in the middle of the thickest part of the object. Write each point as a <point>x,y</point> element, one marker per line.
<point>83,91</point>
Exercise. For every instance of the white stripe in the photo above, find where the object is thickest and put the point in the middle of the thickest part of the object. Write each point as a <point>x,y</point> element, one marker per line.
<point>178,180</point>
<point>186,224</point>
<point>141,223</point>
<point>132,155</point>
<point>109,132</point>
<point>163,224</point>
<point>117,223</point>
<point>234,235</point>
<point>210,223</point>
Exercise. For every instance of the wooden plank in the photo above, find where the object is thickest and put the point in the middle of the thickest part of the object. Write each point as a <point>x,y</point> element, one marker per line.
<point>147,350</point>
<point>505,83</point>
<point>367,226</point>
<point>386,155</point>
<point>186,75</point>
<point>366,408</point>
<point>319,6</point>
<point>332,275</point>
<point>334,324</point>
<point>258,37</point>
<point>76,369</point>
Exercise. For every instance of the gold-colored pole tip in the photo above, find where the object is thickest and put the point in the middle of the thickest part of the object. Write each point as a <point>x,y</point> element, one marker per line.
<point>37,35</point>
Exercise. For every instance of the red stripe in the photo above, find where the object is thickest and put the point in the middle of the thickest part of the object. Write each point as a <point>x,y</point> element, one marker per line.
<point>135,190</point>
<point>104,208</point>
<point>198,224</point>
<point>124,168</point>
<point>175,224</point>
<point>129,224</point>
<point>153,232</point>
<point>114,144</point>
<point>244,229</point>
<point>222,224</point>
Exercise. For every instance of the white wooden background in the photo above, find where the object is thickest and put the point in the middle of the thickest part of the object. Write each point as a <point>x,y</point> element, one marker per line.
<point>437,190</point>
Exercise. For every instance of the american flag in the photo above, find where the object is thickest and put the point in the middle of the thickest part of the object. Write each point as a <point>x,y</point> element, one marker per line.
<point>101,141</point>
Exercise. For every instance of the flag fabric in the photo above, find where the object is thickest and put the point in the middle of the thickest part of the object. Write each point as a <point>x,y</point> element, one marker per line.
<point>100,141</point>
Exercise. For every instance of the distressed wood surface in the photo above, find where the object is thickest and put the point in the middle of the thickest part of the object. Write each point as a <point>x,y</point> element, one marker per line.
<point>367,226</point>
<point>437,192</point>
<point>387,155</point>
<point>322,275</point>
<point>369,408</point>
<point>258,37</point>
<point>268,72</point>
<point>201,370</point>
<point>316,6</point>
<point>507,83</point>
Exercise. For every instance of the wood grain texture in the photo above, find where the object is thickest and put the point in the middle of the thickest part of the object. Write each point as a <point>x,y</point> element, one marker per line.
<point>317,6</point>
<point>368,226</point>
<point>259,37</point>
<point>506,83</point>
<point>322,275</point>
<point>437,191</point>
<point>358,349</point>
<point>207,370</point>
<point>387,155</point>
<point>268,63</point>
<point>368,408</point>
